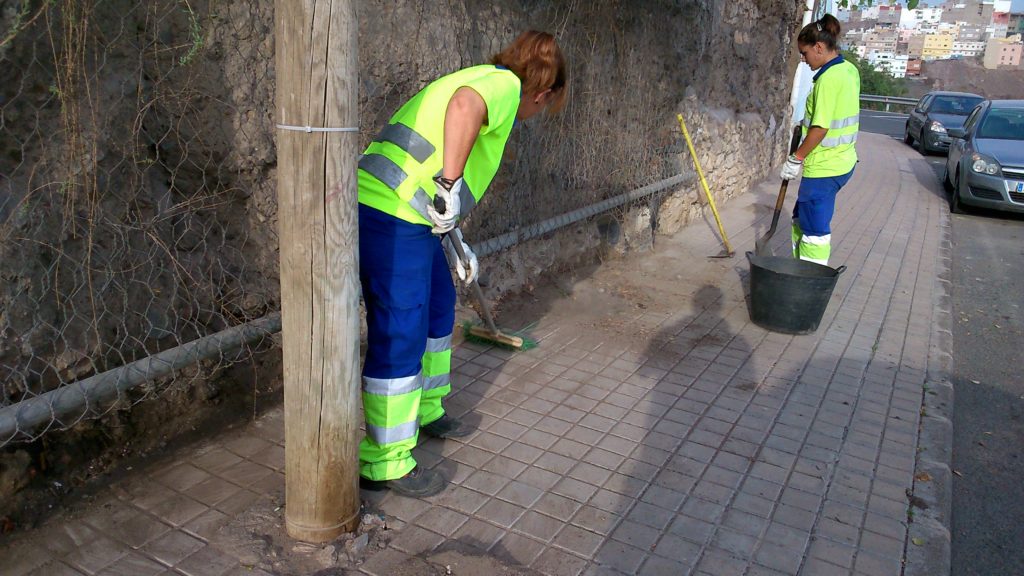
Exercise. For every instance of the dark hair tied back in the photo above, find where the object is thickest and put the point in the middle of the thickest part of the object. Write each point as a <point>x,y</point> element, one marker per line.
<point>825,30</point>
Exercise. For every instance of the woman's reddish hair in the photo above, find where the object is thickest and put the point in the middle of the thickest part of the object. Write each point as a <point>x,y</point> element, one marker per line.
<point>538,62</point>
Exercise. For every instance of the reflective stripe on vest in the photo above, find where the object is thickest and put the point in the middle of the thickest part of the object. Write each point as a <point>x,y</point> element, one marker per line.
<point>419,202</point>
<point>839,140</point>
<point>382,435</point>
<point>392,386</point>
<point>847,122</point>
<point>384,169</point>
<point>407,139</point>
<point>836,124</point>
<point>466,199</point>
<point>844,122</point>
<point>391,175</point>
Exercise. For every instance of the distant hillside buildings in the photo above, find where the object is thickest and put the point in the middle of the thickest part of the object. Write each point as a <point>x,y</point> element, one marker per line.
<point>896,40</point>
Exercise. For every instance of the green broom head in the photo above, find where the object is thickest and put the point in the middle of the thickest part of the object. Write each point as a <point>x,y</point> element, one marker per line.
<point>528,342</point>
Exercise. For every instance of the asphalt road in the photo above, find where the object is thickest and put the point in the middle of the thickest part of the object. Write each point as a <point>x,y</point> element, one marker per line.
<point>988,409</point>
<point>891,123</point>
<point>987,266</point>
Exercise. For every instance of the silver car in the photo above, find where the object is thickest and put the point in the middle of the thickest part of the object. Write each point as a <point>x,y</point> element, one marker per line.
<point>935,114</point>
<point>985,165</point>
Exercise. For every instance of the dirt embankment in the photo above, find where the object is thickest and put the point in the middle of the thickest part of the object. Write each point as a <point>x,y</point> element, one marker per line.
<point>968,76</point>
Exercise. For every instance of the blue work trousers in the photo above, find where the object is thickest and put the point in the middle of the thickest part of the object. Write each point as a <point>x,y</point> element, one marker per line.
<point>410,313</point>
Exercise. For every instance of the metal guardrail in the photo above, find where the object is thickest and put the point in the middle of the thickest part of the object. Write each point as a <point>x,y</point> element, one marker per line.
<point>889,100</point>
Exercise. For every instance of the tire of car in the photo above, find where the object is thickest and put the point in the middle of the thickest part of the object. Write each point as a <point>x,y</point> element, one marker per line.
<point>946,184</point>
<point>907,138</point>
<point>954,197</point>
<point>921,147</point>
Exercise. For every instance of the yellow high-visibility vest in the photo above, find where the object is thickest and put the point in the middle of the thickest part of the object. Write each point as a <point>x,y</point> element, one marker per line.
<point>834,104</point>
<point>397,169</point>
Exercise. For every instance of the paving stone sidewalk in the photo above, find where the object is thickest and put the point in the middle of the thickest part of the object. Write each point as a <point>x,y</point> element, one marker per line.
<point>655,430</point>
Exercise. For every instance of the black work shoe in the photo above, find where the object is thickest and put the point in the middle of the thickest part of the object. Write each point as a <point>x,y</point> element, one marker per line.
<point>447,427</point>
<point>418,483</point>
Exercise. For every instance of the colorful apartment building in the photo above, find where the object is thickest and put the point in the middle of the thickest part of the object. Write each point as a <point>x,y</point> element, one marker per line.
<point>881,40</point>
<point>937,46</point>
<point>913,67</point>
<point>893,64</point>
<point>971,33</point>
<point>967,49</point>
<point>915,46</point>
<point>1015,23</point>
<point>1003,52</point>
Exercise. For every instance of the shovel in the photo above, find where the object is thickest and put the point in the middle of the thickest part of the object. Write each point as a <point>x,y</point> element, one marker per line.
<point>761,247</point>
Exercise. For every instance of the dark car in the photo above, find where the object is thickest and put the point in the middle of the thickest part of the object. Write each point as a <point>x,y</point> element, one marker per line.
<point>985,166</point>
<point>934,115</point>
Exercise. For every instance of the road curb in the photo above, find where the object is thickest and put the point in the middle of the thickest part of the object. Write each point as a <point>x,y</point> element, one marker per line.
<point>929,540</point>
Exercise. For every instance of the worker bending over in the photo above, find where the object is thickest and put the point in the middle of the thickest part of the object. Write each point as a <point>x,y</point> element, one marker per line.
<point>446,142</point>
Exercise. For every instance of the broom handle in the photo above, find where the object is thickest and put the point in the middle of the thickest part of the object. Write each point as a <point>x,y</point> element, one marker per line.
<point>485,313</point>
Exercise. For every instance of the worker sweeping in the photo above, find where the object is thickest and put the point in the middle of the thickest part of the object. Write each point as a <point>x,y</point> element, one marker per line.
<point>427,169</point>
<point>827,154</point>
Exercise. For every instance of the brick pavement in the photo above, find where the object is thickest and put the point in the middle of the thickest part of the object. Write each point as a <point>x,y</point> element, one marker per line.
<point>654,431</point>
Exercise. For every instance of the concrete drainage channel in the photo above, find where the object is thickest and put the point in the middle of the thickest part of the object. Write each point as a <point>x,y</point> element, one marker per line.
<point>929,543</point>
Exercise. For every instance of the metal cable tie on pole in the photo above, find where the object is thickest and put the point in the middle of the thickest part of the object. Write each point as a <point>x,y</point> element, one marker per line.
<point>309,129</point>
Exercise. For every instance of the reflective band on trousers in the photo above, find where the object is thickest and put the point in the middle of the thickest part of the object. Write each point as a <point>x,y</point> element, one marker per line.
<point>839,140</point>
<point>439,344</point>
<point>817,240</point>
<point>815,260</point>
<point>432,382</point>
<point>392,386</point>
<point>407,139</point>
<point>384,169</point>
<point>382,435</point>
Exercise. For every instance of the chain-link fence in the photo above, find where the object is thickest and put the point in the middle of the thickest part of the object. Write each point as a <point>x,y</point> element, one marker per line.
<point>137,161</point>
<point>127,162</point>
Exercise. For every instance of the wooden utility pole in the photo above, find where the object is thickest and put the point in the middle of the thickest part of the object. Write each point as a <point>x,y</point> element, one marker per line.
<point>316,69</point>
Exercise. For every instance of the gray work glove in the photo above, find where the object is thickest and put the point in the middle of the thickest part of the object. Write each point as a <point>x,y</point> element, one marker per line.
<point>451,199</point>
<point>468,270</point>
<point>791,169</point>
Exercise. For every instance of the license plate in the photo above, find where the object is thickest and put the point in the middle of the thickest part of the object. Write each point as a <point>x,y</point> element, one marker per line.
<point>1020,186</point>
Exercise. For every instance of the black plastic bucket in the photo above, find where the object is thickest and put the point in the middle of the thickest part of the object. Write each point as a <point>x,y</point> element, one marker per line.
<point>789,295</point>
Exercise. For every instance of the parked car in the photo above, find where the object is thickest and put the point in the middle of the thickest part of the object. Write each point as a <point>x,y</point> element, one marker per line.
<point>985,165</point>
<point>934,115</point>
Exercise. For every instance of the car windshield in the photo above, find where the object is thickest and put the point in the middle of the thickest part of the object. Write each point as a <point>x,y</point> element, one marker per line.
<point>958,105</point>
<point>1003,124</point>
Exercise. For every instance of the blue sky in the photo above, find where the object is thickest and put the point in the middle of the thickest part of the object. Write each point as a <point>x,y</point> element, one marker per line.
<point>1018,5</point>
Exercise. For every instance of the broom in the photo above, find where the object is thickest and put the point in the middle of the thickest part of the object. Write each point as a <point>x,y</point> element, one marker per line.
<point>487,333</point>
